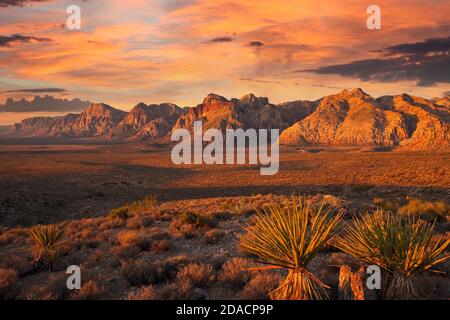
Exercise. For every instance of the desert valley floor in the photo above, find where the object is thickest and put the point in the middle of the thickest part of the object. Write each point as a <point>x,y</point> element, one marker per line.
<point>51,183</point>
<point>79,183</point>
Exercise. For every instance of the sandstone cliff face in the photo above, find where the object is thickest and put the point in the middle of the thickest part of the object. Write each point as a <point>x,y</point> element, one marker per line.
<point>147,122</point>
<point>248,112</point>
<point>355,118</point>
<point>347,118</point>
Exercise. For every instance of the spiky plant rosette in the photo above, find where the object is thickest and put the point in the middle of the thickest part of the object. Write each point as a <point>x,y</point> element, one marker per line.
<point>289,236</point>
<point>48,240</point>
<point>401,246</point>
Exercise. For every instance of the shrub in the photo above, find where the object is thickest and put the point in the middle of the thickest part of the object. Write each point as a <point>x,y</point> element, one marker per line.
<point>239,207</point>
<point>149,203</point>
<point>138,273</point>
<point>426,210</point>
<point>289,236</point>
<point>234,272</point>
<point>160,246</point>
<point>199,275</point>
<point>120,213</point>
<point>89,291</point>
<point>134,238</point>
<point>139,221</point>
<point>9,281</point>
<point>176,291</point>
<point>213,236</point>
<point>48,241</point>
<point>55,288</point>
<point>259,287</point>
<point>400,246</point>
<point>143,293</point>
<point>188,224</point>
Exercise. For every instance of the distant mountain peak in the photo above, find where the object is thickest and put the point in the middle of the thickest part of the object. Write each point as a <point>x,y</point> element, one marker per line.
<point>44,103</point>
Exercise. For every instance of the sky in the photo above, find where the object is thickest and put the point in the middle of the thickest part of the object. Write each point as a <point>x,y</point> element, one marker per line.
<point>179,51</point>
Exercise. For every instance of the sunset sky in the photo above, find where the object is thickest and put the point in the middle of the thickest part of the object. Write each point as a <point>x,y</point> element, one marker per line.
<point>180,50</point>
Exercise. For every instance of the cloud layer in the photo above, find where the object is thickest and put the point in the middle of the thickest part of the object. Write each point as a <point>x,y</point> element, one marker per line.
<point>179,51</point>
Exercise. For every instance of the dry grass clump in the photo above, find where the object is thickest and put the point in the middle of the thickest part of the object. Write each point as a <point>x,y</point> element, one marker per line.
<point>188,224</point>
<point>139,272</point>
<point>198,274</point>
<point>240,206</point>
<point>213,236</point>
<point>149,204</point>
<point>234,272</point>
<point>55,288</point>
<point>176,291</point>
<point>143,293</point>
<point>260,286</point>
<point>48,242</point>
<point>125,252</point>
<point>88,291</point>
<point>134,238</point>
<point>384,204</point>
<point>400,246</point>
<point>9,284</point>
<point>120,213</point>
<point>140,221</point>
<point>426,210</point>
<point>160,246</point>
<point>288,237</point>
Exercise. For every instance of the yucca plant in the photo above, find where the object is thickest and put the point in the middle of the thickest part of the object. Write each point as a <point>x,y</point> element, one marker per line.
<point>401,246</point>
<point>289,236</point>
<point>48,241</point>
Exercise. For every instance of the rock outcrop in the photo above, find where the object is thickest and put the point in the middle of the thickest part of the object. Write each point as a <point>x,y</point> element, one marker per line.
<point>355,118</point>
<point>147,122</point>
<point>248,112</point>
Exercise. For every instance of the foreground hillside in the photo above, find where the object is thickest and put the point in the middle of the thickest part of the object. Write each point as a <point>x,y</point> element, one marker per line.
<point>185,249</point>
<point>350,117</point>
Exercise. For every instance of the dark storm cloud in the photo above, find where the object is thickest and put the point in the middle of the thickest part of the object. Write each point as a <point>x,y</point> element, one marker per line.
<point>258,80</point>
<point>38,90</point>
<point>437,45</point>
<point>5,41</point>
<point>426,62</point>
<point>255,44</point>
<point>17,3</point>
<point>220,39</point>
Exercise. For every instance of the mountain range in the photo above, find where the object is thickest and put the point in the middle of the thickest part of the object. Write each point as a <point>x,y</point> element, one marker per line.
<point>46,103</point>
<point>350,117</point>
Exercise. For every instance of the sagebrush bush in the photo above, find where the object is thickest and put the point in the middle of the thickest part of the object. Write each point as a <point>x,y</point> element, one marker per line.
<point>213,236</point>
<point>139,272</point>
<point>234,272</point>
<point>426,210</point>
<point>143,293</point>
<point>148,204</point>
<point>120,213</point>
<point>198,274</point>
<point>260,286</point>
<point>88,291</point>
<point>289,236</point>
<point>135,238</point>
<point>189,224</point>
<point>400,246</point>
